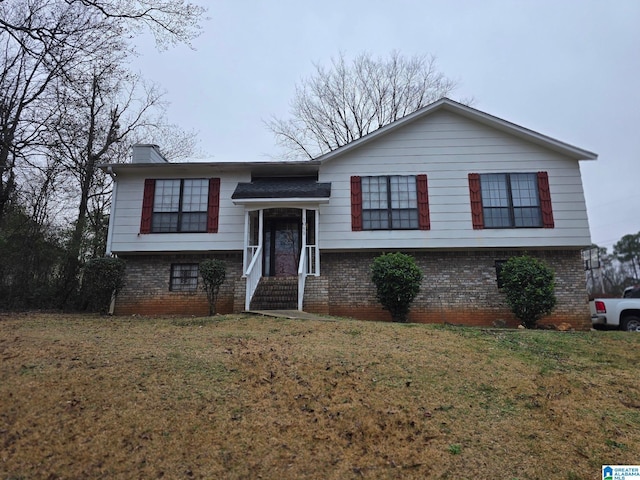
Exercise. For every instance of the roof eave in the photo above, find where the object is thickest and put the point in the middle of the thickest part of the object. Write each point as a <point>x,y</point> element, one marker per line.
<point>177,166</point>
<point>281,200</point>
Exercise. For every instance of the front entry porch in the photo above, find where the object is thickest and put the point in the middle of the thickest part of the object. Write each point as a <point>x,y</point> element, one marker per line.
<point>280,252</point>
<point>281,232</point>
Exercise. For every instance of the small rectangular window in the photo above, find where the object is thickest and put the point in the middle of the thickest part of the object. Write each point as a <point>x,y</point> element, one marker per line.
<point>184,277</point>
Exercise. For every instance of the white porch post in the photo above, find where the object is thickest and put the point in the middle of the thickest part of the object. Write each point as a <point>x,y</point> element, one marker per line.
<point>245,250</point>
<point>253,254</point>
<point>260,227</point>
<point>249,248</point>
<point>317,239</point>
<point>304,231</point>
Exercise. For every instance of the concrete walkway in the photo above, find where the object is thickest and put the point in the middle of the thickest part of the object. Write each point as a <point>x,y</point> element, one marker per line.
<point>291,314</point>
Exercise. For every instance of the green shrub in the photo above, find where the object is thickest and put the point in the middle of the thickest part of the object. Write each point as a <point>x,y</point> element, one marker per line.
<point>529,287</point>
<point>213,273</point>
<point>397,279</point>
<point>101,278</point>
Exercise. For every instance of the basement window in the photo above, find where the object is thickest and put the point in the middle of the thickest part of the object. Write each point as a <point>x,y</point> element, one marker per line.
<point>184,277</point>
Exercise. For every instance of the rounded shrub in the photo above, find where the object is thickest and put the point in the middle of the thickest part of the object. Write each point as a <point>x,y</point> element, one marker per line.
<point>397,279</point>
<point>213,273</point>
<point>529,286</point>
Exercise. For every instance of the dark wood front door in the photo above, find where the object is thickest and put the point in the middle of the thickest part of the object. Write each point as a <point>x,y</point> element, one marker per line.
<point>282,245</point>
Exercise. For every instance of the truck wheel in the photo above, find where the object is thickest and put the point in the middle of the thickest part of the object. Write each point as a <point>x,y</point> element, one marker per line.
<point>630,324</point>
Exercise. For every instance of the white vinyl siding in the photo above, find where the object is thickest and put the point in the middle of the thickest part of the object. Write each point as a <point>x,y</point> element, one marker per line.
<point>126,226</point>
<point>444,145</point>
<point>447,147</point>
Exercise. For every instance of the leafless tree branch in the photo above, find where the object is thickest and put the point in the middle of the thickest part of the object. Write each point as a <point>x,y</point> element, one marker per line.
<point>349,100</point>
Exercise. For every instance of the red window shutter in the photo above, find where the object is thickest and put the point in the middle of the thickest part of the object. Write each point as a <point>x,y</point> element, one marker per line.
<point>424,221</point>
<point>147,205</point>
<point>213,209</point>
<point>545,200</point>
<point>476,201</point>
<point>356,204</point>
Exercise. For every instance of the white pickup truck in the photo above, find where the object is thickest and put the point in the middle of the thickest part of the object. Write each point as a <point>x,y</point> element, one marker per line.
<point>623,313</point>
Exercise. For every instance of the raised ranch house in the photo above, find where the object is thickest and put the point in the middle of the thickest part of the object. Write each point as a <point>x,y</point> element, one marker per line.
<point>457,188</point>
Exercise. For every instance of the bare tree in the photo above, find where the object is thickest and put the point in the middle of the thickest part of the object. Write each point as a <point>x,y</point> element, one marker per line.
<point>46,41</point>
<point>349,100</point>
<point>177,144</point>
<point>27,68</point>
<point>170,21</point>
<point>97,113</point>
<point>67,103</point>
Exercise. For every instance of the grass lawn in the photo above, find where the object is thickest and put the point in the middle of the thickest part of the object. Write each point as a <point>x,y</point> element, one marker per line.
<point>251,397</point>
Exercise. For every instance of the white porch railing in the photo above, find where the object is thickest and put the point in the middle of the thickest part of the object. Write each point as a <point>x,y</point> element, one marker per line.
<point>250,254</point>
<point>302,277</point>
<point>312,261</point>
<point>253,273</point>
<point>307,266</point>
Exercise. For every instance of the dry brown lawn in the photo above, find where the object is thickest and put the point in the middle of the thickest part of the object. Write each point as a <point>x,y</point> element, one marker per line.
<point>254,397</point>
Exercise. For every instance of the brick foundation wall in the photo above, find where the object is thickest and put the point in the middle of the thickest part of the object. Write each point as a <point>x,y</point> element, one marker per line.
<point>458,288</point>
<point>316,295</point>
<point>146,290</point>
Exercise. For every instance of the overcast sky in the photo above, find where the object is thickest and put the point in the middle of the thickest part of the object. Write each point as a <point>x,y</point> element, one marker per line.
<point>569,69</point>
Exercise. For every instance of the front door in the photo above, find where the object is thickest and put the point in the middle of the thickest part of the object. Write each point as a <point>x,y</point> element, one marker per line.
<point>282,247</point>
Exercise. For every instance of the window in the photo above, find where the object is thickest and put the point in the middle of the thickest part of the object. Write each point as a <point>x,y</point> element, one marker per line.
<point>180,205</point>
<point>184,277</point>
<point>389,203</point>
<point>510,200</point>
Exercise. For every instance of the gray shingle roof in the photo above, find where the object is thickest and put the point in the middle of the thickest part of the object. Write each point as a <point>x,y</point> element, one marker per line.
<point>283,187</point>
